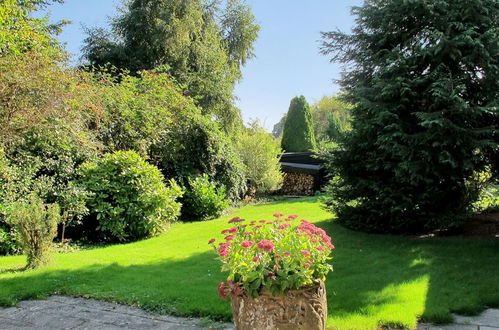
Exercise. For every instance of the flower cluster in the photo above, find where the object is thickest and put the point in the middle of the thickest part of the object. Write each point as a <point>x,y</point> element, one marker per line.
<point>279,254</point>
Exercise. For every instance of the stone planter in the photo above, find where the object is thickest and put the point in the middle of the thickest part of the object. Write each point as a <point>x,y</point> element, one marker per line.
<point>304,309</point>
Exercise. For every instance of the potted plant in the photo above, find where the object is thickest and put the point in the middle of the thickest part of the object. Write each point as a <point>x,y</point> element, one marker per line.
<point>276,272</point>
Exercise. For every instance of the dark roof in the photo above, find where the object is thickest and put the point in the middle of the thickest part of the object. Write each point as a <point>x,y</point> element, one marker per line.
<point>300,168</point>
<point>300,158</point>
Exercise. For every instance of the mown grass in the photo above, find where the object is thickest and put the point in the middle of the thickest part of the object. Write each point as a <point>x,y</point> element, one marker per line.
<point>378,280</point>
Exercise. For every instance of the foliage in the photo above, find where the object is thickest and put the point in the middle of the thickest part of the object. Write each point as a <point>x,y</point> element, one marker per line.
<point>8,243</point>
<point>20,32</point>
<point>186,39</point>
<point>279,127</point>
<point>488,200</point>
<point>276,255</point>
<point>260,154</point>
<point>36,226</point>
<point>298,132</point>
<point>203,200</point>
<point>424,88</point>
<point>150,115</point>
<point>129,199</point>
<point>331,118</point>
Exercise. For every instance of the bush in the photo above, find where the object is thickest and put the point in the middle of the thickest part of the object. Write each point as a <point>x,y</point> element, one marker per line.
<point>8,243</point>
<point>203,199</point>
<point>260,154</point>
<point>36,226</point>
<point>298,132</point>
<point>128,197</point>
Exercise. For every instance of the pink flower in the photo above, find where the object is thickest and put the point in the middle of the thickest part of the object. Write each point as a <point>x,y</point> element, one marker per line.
<point>233,230</point>
<point>224,245</point>
<point>270,222</point>
<point>241,220</point>
<point>225,231</point>
<point>313,240</point>
<point>229,238</point>
<point>286,253</point>
<point>259,226</point>
<point>321,248</point>
<point>262,221</point>
<point>247,233</point>
<point>331,246</point>
<point>256,259</point>
<point>211,241</point>
<point>223,252</point>
<point>247,244</point>
<point>221,290</point>
<point>307,265</point>
<point>235,219</point>
<point>292,216</point>
<point>266,245</point>
<point>278,215</point>
<point>305,252</point>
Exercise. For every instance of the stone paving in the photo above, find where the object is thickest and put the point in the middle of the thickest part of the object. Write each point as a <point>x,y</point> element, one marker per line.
<point>58,312</point>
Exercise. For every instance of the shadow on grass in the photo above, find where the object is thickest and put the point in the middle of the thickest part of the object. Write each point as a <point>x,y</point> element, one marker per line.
<point>375,276</point>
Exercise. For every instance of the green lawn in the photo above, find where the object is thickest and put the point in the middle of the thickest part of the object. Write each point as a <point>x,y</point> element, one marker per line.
<point>378,280</point>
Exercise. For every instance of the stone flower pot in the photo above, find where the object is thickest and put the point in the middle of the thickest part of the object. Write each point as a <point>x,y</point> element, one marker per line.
<point>304,309</point>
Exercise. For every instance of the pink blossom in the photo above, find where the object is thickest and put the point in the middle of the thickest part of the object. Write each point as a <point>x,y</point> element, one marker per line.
<point>270,222</point>
<point>233,230</point>
<point>259,226</point>
<point>292,216</point>
<point>224,245</point>
<point>223,252</point>
<point>262,221</point>
<point>321,248</point>
<point>266,245</point>
<point>235,219</point>
<point>229,238</point>
<point>225,231</point>
<point>307,265</point>
<point>286,253</point>
<point>278,215</point>
<point>331,246</point>
<point>256,259</point>
<point>211,241</point>
<point>247,244</point>
<point>305,252</point>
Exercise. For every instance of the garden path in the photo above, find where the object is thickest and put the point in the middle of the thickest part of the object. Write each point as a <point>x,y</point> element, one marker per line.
<point>58,312</point>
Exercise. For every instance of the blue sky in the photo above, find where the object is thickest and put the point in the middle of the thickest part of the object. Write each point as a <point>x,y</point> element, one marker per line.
<point>287,60</point>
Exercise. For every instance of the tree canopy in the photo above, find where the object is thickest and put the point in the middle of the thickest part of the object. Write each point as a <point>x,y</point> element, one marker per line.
<point>201,44</point>
<point>425,90</point>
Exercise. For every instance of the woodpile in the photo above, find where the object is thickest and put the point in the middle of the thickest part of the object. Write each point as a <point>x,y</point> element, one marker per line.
<point>297,184</point>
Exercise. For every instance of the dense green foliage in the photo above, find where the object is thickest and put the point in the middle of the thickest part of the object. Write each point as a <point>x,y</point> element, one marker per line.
<point>411,279</point>
<point>425,90</point>
<point>36,226</point>
<point>128,197</point>
<point>279,127</point>
<point>200,44</point>
<point>331,118</point>
<point>203,199</point>
<point>260,154</point>
<point>298,131</point>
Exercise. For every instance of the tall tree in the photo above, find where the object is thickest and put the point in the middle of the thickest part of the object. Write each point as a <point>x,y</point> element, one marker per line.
<point>424,82</point>
<point>202,45</point>
<point>331,118</point>
<point>298,132</point>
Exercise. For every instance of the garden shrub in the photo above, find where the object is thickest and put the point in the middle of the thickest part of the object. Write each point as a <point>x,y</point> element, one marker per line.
<point>203,199</point>
<point>260,154</point>
<point>36,226</point>
<point>129,199</point>
<point>298,132</point>
<point>8,243</point>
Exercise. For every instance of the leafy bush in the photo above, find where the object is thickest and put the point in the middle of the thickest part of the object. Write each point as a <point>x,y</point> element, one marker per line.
<point>128,197</point>
<point>36,226</point>
<point>260,154</point>
<point>278,255</point>
<point>8,243</point>
<point>203,200</point>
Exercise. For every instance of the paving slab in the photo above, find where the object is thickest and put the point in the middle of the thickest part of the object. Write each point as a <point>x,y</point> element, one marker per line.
<point>489,317</point>
<point>58,312</point>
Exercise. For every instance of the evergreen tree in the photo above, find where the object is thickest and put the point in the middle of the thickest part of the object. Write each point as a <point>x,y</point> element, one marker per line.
<point>425,86</point>
<point>298,132</point>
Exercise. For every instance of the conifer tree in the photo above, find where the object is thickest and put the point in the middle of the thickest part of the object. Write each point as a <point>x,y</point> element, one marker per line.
<point>298,132</point>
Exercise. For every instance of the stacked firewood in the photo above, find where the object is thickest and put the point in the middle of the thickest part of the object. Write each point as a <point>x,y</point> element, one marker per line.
<point>297,184</point>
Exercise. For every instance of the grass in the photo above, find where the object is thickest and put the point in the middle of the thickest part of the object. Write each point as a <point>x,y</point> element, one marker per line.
<point>378,280</point>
